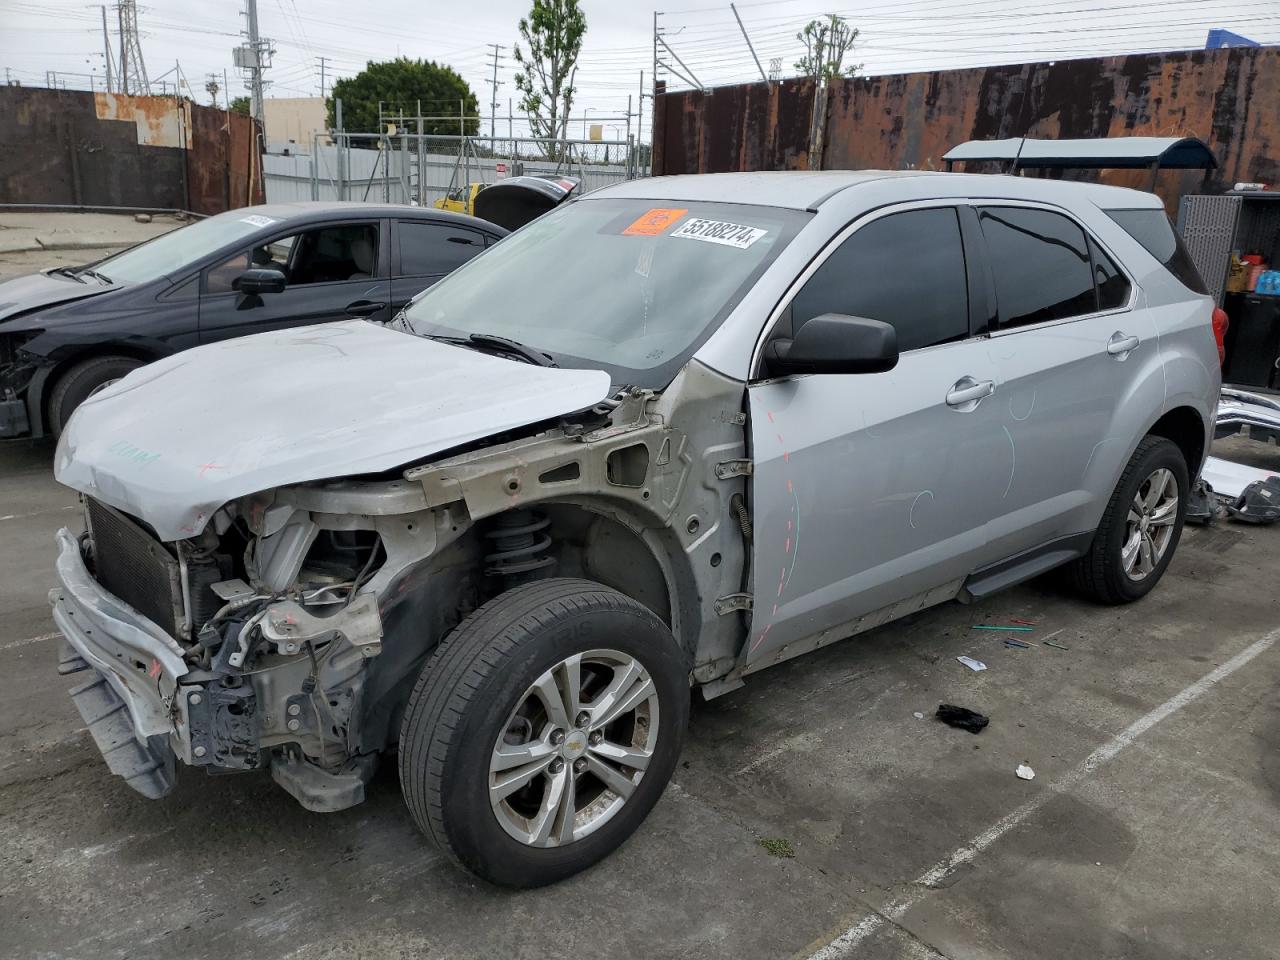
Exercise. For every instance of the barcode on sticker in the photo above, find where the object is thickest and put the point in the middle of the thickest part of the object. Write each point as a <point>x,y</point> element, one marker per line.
<point>718,231</point>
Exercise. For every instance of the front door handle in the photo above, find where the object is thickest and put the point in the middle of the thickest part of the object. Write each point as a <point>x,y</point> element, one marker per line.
<point>967,392</point>
<point>364,308</point>
<point>1121,345</point>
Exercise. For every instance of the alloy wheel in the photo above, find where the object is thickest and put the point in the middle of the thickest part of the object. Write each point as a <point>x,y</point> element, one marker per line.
<point>574,749</point>
<point>1149,525</point>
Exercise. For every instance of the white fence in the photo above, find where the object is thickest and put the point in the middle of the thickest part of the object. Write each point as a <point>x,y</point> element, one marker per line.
<point>407,173</point>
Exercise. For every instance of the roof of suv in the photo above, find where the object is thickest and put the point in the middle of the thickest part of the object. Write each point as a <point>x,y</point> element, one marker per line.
<point>806,190</point>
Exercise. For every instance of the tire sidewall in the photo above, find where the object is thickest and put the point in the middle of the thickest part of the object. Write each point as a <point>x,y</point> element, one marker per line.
<point>1164,454</point>
<point>81,383</point>
<point>474,832</point>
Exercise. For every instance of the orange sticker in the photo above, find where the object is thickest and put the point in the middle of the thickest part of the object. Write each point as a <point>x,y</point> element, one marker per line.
<point>654,222</point>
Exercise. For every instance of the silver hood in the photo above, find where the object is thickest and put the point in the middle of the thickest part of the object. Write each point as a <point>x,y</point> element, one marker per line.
<point>174,441</point>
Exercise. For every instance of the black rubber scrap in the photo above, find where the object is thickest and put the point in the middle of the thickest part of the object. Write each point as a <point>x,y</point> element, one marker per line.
<point>961,717</point>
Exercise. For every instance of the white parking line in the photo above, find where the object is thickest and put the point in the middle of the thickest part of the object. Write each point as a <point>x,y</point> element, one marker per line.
<point>843,945</point>
<point>14,644</point>
<point>37,513</point>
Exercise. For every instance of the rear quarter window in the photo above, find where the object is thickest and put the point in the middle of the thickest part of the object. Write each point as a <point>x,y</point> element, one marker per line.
<point>1151,228</point>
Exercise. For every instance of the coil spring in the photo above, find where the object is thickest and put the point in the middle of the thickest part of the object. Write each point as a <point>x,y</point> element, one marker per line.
<point>519,546</point>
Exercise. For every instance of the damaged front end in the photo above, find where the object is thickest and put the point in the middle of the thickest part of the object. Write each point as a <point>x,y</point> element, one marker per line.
<point>239,649</point>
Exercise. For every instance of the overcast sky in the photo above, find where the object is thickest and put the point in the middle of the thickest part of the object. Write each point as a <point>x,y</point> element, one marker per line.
<point>66,36</point>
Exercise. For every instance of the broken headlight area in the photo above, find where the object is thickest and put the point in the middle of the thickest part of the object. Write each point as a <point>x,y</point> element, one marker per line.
<point>275,638</point>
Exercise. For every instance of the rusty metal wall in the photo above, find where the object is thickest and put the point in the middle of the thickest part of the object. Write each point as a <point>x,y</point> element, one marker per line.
<point>1230,98</point>
<point>81,148</point>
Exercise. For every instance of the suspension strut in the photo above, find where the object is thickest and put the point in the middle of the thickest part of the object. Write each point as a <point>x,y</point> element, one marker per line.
<point>519,547</point>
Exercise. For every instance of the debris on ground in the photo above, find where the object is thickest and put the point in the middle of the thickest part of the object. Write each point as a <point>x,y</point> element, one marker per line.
<point>1056,646</point>
<point>1017,643</point>
<point>961,718</point>
<point>1259,502</point>
<point>777,846</point>
<point>1202,504</point>
<point>992,626</point>
<point>142,217</point>
<point>1022,622</point>
<point>972,664</point>
<point>918,715</point>
<point>1025,772</point>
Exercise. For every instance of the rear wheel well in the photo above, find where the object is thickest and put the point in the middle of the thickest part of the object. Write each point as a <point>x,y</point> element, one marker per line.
<point>1185,428</point>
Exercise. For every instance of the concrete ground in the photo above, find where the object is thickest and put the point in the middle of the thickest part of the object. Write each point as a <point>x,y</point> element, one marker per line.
<point>813,813</point>
<point>31,241</point>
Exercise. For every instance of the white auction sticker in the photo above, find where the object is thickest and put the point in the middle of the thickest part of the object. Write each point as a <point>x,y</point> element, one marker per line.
<point>717,231</point>
<point>258,221</point>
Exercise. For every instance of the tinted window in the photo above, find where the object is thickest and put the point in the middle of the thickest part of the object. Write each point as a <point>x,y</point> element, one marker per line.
<point>1113,286</point>
<point>428,249</point>
<point>326,255</point>
<point>1041,265</point>
<point>1151,229</point>
<point>906,269</point>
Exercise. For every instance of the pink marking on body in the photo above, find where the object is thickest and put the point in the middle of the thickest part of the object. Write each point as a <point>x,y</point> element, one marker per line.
<point>206,467</point>
<point>769,414</point>
<point>787,548</point>
<point>790,488</point>
<point>775,609</point>
<point>786,456</point>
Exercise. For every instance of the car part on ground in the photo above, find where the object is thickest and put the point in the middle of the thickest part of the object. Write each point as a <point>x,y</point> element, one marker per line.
<point>1259,502</point>
<point>1229,479</point>
<point>1238,409</point>
<point>1202,504</point>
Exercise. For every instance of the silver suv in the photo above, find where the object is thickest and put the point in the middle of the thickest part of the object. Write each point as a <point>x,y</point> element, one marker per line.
<point>659,439</point>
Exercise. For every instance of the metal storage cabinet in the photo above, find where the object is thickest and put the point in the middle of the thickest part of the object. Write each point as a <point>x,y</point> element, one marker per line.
<point>1213,226</point>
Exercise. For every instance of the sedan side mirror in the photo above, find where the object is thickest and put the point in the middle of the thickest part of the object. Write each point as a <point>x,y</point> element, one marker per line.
<point>261,280</point>
<point>835,343</point>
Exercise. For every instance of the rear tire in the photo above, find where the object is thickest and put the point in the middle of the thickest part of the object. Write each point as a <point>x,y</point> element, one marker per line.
<point>491,708</point>
<point>80,382</point>
<point>1115,570</point>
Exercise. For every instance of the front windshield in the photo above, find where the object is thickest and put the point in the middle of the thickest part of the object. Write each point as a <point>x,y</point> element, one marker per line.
<point>173,251</point>
<point>630,286</point>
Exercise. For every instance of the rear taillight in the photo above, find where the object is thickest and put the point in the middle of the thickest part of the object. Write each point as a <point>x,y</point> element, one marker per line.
<point>1220,324</point>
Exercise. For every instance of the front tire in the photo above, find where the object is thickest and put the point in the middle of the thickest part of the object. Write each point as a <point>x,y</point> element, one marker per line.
<point>81,382</point>
<point>543,730</point>
<point>1141,527</point>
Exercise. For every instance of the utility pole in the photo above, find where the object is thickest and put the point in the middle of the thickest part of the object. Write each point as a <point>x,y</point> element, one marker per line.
<point>106,52</point>
<point>253,58</point>
<point>323,61</point>
<point>211,87</point>
<point>133,70</point>
<point>493,94</point>
<point>653,94</point>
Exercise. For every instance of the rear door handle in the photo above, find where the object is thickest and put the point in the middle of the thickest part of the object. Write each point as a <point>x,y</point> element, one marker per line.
<point>364,308</point>
<point>966,392</point>
<point>1121,345</point>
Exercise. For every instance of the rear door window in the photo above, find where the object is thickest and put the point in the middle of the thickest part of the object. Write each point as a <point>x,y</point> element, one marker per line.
<point>1041,264</point>
<point>1151,228</point>
<point>429,249</point>
<point>906,269</point>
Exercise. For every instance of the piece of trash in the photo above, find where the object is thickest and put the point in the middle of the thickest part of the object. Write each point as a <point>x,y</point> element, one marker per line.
<point>1017,643</point>
<point>1259,502</point>
<point>918,715</point>
<point>992,626</point>
<point>1020,620</point>
<point>961,717</point>
<point>1056,646</point>
<point>1024,772</point>
<point>972,664</point>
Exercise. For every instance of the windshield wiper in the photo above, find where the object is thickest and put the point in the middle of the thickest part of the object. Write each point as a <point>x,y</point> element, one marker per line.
<point>96,275</point>
<point>67,272</point>
<point>512,346</point>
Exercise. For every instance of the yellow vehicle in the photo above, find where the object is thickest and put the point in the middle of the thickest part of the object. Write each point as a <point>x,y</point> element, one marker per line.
<point>461,199</point>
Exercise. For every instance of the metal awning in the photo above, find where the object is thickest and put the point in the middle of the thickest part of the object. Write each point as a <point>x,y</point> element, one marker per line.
<point>1125,153</point>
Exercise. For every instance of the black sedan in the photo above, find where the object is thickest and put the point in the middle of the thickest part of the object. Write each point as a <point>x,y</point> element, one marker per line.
<point>67,332</point>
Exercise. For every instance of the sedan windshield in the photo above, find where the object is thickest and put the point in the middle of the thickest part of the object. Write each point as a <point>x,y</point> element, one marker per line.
<point>629,286</point>
<point>173,251</point>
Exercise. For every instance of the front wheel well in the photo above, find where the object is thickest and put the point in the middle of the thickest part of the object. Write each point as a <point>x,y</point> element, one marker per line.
<point>68,363</point>
<point>1185,428</point>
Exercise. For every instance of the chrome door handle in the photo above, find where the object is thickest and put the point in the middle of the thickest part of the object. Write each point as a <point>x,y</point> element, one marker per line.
<point>969,391</point>
<point>1121,345</point>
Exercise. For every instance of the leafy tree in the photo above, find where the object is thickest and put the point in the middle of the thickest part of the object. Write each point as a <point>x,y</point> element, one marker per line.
<point>240,105</point>
<point>826,42</point>
<point>552,35</point>
<point>400,84</point>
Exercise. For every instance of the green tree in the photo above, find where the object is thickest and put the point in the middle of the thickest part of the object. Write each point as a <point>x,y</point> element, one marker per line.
<point>240,105</point>
<point>826,42</point>
<point>401,84</point>
<point>552,34</point>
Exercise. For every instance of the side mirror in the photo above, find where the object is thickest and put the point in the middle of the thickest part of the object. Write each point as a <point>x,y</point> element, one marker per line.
<point>261,280</point>
<point>835,343</point>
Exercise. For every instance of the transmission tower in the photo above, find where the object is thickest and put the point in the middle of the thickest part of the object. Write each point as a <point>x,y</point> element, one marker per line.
<point>133,71</point>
